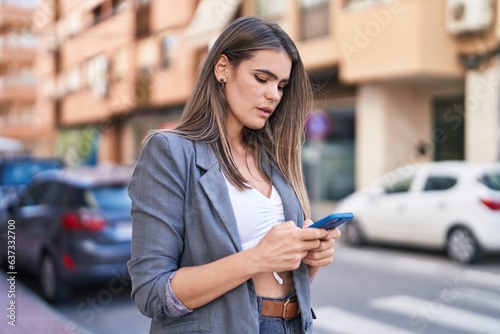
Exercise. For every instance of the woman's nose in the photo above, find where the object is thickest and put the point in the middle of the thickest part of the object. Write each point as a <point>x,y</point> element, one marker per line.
<point>273,94</point>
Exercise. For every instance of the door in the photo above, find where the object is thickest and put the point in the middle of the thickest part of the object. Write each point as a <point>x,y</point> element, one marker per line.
<point>448,129</point>
<point>34,219</point>
<point>432,208</point>
<point>390,212</point>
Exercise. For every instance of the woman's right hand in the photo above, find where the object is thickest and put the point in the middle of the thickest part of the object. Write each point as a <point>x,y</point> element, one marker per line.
<point>285,245</point>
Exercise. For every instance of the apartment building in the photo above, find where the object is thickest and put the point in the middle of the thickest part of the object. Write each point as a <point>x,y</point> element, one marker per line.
<point>18,118</point>
<point>397,81</point>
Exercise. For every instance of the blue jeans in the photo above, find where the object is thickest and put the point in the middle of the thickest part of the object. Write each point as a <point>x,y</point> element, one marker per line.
<point>277,325</point>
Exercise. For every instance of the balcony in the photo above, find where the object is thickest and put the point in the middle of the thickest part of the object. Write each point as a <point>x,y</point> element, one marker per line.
<point>19,49</point>
<point>17,88</point>
<point>117,30</point>
<point>399,39</point>
<point>14,13</point>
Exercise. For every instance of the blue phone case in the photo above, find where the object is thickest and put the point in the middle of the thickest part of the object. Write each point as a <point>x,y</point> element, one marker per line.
<point>333,220</point>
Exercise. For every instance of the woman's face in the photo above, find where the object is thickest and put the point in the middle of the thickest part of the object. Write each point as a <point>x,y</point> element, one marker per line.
<point>254,89</point>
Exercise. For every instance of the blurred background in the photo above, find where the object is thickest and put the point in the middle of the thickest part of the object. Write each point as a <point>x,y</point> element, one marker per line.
<point>397,83</point>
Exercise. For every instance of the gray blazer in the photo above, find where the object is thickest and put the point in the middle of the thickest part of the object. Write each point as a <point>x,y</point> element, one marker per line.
<point>182,216</point>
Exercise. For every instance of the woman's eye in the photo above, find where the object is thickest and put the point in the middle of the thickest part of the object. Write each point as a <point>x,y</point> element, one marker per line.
<point>282,88</point>
<point>259,79</point>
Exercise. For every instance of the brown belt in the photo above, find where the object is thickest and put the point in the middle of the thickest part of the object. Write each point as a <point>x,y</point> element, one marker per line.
<point>287,310</point>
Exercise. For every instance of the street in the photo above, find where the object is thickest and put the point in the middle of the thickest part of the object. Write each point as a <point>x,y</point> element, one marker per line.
<point>367,290</point>
<point>385,290</point>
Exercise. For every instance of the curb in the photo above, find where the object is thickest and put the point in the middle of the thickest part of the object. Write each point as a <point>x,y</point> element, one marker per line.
<point>26,312</point>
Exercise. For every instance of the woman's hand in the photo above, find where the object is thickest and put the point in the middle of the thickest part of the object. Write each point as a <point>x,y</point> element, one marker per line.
<point>323,254</point>
<point>285,246</point>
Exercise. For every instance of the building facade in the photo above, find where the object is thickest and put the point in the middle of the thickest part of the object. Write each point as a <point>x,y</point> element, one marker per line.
<point>18,43</point>
<point>397,81</point>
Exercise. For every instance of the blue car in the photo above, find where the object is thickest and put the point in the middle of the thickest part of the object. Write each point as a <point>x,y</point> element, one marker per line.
<point>15,174</point>
<point>73,227</point>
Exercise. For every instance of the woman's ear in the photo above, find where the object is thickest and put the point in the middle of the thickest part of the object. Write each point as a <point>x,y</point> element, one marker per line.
<point>222,67</point>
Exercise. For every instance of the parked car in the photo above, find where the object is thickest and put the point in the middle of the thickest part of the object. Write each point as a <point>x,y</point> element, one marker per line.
<point>16,172</point>
<point>454,206</point>
<point>73,227</point>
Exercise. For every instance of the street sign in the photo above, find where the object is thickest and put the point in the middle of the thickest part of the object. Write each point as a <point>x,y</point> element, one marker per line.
<point>318,125</point>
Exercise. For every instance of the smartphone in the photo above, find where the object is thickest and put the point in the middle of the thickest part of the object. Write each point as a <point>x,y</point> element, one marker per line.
<point>333,220</point>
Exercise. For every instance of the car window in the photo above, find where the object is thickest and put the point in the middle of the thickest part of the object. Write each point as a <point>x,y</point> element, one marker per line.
<point>47,193</point>
<point>35,195</point>
<point>108,197</point>
<point>398,186</point>
<point>492,180</point>
<point>21,172</point>
<point>53,194</point>
<point>76,197</point>
<point>439,183</point>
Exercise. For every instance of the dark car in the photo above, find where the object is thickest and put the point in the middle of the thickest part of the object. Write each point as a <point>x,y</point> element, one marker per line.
<point>16,172</point>
<point>73,227</point>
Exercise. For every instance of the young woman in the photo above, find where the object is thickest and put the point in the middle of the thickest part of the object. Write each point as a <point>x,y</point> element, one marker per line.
<point>219,204</point>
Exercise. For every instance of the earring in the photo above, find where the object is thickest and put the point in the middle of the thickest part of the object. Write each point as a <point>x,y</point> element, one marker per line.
<point>222,83</point>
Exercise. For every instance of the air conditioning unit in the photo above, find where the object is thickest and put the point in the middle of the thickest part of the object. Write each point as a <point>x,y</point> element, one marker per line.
<point>468,16</point>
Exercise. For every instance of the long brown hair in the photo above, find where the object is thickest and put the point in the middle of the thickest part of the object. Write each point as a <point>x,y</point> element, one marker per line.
<point>280,140</point>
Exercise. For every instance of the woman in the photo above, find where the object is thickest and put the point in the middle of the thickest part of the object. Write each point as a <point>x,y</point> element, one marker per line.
<point>219,203</point>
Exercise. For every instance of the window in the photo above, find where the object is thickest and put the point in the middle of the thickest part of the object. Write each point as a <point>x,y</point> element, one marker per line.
<point>73,80</point>
<point>118,5</point>
<point>167,44</point>
<point>120,64</point>
<point>270,10</point>
<point>34,197</point>
<point>27,4</point>
<point>96,15</point>
<point>97,75</point>
<point>53,194</point>
<point>147,54</point>
<point>108,197</point>
<point>48,88</point>
<point>398,185</point>
<point>48,193</point>
<point>492,180</point>
<point>352,4</point>
<point>314,18</point>
<point>74,23</point>
<point>329,170</point>
<point>439,183</point>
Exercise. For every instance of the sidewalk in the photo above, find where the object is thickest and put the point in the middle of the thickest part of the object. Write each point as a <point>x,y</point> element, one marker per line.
<point>29,312</point>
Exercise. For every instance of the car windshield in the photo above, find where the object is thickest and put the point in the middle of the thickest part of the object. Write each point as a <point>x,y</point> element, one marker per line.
<point>19,173</point>
<point>492,180</point>
<point>109,197</point>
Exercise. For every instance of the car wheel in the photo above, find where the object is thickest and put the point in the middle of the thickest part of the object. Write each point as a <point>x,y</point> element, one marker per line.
<point>462,246</point>
<point>354,235</point>
<point>52,288</point>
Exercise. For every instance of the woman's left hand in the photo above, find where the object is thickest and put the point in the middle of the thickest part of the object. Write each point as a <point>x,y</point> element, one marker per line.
<point>322,255</point>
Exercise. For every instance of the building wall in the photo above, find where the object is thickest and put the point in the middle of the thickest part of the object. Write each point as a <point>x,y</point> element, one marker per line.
<point>389,61</point>
<point>401,39</point>
<point>19,118</point>
<point>482,131</point>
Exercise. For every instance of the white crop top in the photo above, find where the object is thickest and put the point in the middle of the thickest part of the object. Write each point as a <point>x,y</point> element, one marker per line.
<point>255,213</point>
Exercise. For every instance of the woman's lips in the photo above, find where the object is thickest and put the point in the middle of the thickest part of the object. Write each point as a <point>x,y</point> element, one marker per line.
<point>266,112</point>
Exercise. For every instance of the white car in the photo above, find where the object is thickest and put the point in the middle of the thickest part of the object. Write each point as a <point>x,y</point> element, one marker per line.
<point>453,205</point>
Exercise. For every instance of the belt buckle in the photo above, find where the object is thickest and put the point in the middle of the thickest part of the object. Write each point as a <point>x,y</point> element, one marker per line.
<point>285,308</point>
